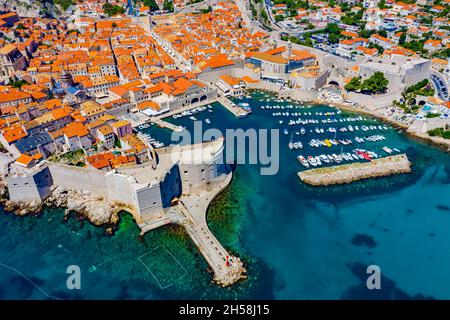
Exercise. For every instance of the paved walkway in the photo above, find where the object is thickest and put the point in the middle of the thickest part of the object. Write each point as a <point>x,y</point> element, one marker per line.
<point>191,214</point>
<point>232,107</point>
<point>166,124</point>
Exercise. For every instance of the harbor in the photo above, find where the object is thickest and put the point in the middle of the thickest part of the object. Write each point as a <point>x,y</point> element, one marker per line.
<point>348,173</point>
<point>314,220</point>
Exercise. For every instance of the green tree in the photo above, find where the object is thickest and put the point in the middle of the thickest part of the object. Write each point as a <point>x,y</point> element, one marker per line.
<point>353,85</point>
<point>264,15</point>
<point>402,39</point>
<point>64,4</point>
<point>333,38</point>
<point>151,4</point>
<point>332,28</point>
<point>112,10</point>
<point>279,18</point>
<point>168,5</point>
<point>376,46</point>
<point>376,83</point>
<point>17,83</point>
<point>382,33</point>
<point>382,4</point>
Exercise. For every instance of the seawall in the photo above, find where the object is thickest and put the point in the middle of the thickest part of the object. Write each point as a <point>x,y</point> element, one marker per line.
<point>349,173</point>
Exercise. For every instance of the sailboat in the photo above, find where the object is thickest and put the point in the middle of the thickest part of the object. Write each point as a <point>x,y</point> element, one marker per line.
<point>291,144</point>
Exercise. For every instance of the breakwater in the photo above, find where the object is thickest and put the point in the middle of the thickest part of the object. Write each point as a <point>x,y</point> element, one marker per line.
<point>349,173</point>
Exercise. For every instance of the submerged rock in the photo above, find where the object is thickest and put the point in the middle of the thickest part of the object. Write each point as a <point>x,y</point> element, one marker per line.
<point>364,240</point>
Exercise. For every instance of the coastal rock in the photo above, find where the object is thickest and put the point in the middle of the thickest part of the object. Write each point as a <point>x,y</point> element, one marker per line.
<point>22,208</point>
<point>94,208</point>
<point>235,272</point>
<point>110,231</point>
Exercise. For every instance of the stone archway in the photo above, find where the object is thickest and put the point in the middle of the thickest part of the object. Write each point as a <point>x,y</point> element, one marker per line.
<point>334,83</point>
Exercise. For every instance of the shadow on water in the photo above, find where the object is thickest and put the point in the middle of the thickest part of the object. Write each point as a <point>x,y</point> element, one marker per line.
<point>388,291</point>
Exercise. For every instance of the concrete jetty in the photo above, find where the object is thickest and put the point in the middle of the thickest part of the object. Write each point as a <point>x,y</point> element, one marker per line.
<point>348,173</point>
<point>232,107</point>
<point>165,124</point>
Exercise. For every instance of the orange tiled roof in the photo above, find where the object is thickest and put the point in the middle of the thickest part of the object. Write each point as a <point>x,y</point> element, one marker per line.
<point>13,133</point>
<point>75,129</point>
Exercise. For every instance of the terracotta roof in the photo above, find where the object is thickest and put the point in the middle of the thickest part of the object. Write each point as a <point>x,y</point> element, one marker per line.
<point>13,133</point>
<point>105,130</point>
<point>24,159</point>
<point>269,58</point>
<point>119,124</point>
<point>75,129</point>
<point>14,95</point>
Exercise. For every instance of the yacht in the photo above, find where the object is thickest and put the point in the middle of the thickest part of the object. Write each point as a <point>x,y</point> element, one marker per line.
<point>207,121</point>
<point>324,158</point>
<point>312,161</point>
<point>319,163</point>
<point>303,161</point>
<point>387,150</point>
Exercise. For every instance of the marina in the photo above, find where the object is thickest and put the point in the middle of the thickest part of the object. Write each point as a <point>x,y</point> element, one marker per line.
<point>328,137</point>
<point>150,141</point>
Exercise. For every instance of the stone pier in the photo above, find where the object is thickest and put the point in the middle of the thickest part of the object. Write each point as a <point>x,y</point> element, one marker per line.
<point>232,107</point>
<point>348,173</point>
<point>191,214</point>
<point>165,124</point>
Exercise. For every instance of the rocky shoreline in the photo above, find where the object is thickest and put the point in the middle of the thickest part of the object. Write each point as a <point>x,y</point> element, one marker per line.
<point>348,173</point>
<point>98,211</point>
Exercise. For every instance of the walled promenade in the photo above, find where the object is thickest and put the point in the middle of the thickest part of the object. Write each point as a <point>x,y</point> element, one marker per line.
<point>191,214</point>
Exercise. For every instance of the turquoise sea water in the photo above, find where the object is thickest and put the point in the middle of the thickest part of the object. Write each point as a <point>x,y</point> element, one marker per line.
<point>297,242</point>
